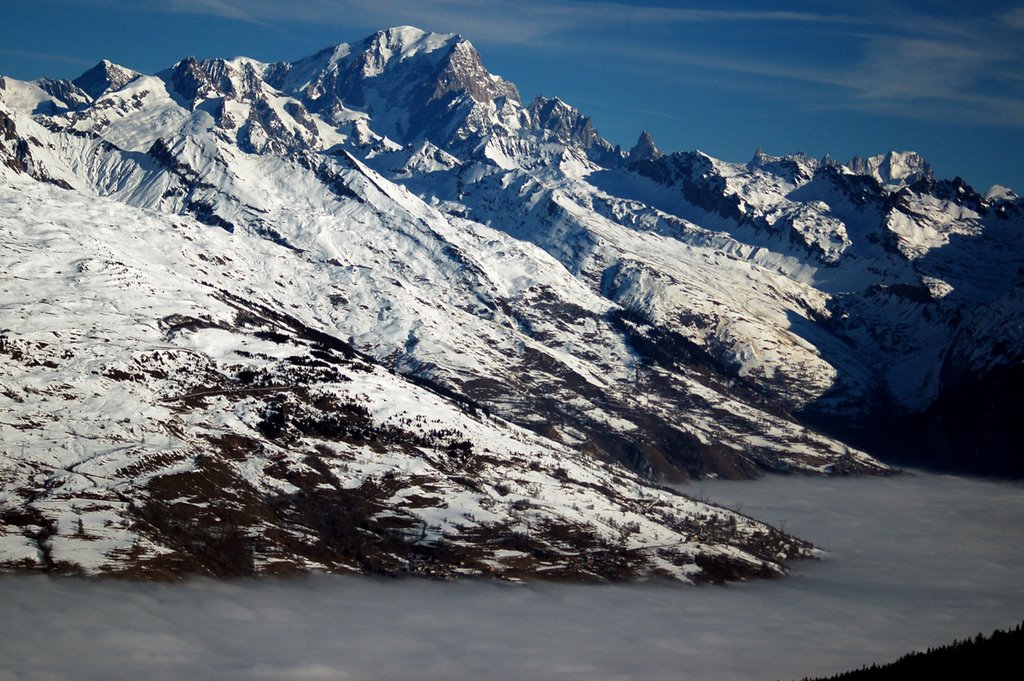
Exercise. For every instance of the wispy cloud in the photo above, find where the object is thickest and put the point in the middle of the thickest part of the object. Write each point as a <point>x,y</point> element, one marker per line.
<point>957,68</point>
<point>1014,17</point>
<point>496,21</point>
<point>910,58</point>
<point>641,13</point>
<point>901,62</point>
<point>627,109</point>
<point>221,8</point>
<point>735,63</point>
<point>46,56</point>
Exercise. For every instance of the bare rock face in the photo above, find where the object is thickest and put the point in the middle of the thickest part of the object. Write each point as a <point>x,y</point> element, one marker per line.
<point>103,78</point>
<point>644,150</point>
<point>463,72</point>
<point>564,123</point>
<point>557,121</point>
<point>16,153</point>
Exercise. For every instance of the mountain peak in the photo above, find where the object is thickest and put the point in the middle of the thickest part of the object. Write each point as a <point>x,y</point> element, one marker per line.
<point>762,158</point>
<point>104,77</point>
<point>998,192</point>
<point>565,122</point>
<point>895,168</point>
<point>411,38</point>
<point>644,149</point>
<point>409,81</point>
<point>401,43</point>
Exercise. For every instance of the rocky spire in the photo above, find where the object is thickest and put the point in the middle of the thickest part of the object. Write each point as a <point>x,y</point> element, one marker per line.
<point>644,149</point>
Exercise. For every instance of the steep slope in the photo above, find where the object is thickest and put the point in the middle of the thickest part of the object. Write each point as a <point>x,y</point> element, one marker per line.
<point>170,402</point>
<point>413,86</point>
<point>908,271</point>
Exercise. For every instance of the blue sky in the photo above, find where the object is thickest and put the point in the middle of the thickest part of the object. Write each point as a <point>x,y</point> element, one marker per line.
<point>819,77</point>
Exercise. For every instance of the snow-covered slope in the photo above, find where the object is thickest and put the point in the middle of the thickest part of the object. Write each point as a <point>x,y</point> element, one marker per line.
<point>170,402</point>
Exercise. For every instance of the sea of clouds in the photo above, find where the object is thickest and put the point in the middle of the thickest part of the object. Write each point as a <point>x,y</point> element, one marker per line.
<point>911,561</point>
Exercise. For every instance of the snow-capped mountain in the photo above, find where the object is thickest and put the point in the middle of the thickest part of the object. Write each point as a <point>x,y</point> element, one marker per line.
<point>376,269</point>
<point>894,169</point>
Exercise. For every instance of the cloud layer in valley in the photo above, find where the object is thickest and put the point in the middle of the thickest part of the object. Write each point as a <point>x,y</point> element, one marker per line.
<point>912,562</point>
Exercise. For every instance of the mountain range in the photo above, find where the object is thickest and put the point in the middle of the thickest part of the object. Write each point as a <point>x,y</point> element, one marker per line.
<point>368,310</point>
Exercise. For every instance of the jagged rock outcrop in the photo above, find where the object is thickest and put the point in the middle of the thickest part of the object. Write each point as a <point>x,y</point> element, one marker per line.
<point>103,78</point>
<point>896,169</point>
<point>644,150</point>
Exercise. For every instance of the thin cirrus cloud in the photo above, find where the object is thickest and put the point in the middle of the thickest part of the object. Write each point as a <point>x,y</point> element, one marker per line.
<point>899,59</point>
<point>916,60</point>
<point>498,21</point>
<point>47,57</point>
<point>573,10</point>
<point>900,62</point>
<point>908,78</point>
<point>1014,17</point>
<point>961,70</point>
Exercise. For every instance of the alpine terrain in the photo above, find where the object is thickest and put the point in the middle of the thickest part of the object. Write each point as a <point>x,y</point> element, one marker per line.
<point>370,311</point>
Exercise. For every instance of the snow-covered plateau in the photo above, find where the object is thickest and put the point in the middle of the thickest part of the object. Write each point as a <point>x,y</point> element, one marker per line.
<point>369,311</point>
